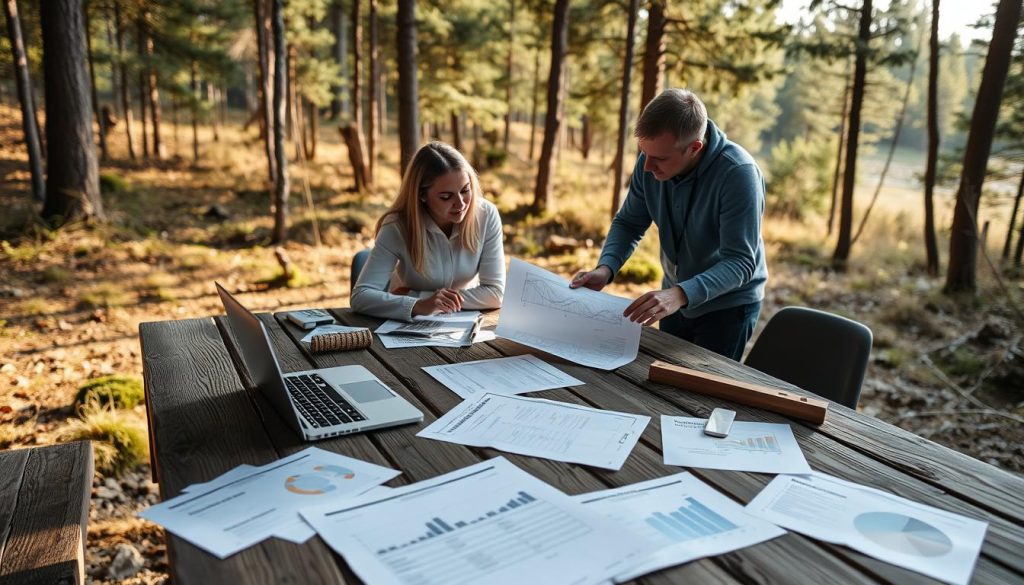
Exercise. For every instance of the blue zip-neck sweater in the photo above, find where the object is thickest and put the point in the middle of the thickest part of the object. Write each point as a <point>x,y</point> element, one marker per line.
<point>717,257</point>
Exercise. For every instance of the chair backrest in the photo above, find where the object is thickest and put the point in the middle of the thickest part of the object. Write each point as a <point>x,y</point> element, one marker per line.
<point>817,351</point>
<point>358,261</point>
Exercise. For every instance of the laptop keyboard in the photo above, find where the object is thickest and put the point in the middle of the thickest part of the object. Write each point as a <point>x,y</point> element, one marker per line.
<point>320,406</point>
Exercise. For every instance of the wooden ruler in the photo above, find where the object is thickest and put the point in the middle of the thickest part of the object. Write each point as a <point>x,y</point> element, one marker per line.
<point>809,409</point>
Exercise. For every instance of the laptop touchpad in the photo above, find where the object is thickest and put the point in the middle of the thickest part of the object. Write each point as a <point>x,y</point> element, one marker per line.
<point>367,391</point>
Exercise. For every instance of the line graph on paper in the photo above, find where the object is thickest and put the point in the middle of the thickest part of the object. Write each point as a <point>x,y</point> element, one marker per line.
<point>541,292</point>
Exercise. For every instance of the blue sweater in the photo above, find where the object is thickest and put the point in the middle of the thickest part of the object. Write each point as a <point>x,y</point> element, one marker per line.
<point>717,257</point>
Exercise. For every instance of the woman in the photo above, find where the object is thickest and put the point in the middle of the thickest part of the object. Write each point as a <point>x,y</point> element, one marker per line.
<point>440,244</point>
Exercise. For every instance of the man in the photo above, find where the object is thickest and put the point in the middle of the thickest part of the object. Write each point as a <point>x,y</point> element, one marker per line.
<point>706,195</point>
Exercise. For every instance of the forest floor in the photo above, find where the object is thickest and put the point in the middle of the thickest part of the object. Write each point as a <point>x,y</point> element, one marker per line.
<point>948,369</point>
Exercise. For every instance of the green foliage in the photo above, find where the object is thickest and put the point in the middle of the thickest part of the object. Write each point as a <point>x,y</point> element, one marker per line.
<point>800,178</point>
<point>55,275</point>
<point>24,253</point>
<point>111,183</point>
<point>103,296</point>
<point>115,391</point>
<point>639,270</point>
<point>120,442</point>
<point>963,362</point>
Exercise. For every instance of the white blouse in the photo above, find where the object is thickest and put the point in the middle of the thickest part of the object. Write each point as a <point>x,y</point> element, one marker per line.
<point>479,275</point>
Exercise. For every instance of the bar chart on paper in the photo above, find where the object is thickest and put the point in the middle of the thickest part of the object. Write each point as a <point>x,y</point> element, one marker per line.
<point>765,443</point>
<point>439,527</point>
<point>681,517</point>
<point>689,521</point>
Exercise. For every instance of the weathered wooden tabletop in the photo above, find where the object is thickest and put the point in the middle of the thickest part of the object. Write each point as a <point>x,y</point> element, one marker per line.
<point>206,418</point>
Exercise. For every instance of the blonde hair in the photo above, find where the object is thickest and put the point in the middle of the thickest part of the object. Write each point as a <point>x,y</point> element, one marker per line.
<point>431,161</point>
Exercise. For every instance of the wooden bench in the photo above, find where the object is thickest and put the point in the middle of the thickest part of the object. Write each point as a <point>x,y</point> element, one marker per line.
<point>44,511</point>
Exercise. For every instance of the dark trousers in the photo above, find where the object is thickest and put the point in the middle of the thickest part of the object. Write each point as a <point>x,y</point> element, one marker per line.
<point>724,332</point>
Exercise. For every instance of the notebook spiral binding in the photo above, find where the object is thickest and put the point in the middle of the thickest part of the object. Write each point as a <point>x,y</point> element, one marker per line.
<point>341,341</point>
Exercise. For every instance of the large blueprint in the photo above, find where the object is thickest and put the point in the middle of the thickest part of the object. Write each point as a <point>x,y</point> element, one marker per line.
<point>581,325</point>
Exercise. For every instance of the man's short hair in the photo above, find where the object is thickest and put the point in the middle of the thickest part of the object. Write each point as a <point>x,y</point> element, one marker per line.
<point>675,110</point>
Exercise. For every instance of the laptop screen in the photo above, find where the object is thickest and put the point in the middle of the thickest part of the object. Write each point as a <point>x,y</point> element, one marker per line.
<point>257,354</point>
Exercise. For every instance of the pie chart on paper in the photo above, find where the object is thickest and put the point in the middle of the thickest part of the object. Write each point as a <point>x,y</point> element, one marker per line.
<point>903,534</point>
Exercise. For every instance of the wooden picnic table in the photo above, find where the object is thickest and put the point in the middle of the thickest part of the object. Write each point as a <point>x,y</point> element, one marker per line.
<point>205,418</point>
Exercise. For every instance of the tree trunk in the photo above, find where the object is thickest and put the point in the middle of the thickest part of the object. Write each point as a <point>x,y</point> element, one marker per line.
<point>453,118</point>
<point>174,123</point>
<point>408,88</point>
<point>1013,218</point>
<point>29,122</point>
<point>100,122</point>
<point>289,99</point>
<point>211,98</point>
<point>1020,247</point>
<point>357,47</point>
<point>266,91</point>
<point>552,122</point>
<point>654,52</point>
<point>533,108</point>
<point>194,110</point>
<point>140,45</point>
<point>627,77</point>
<point>73,187</point>
<point>586,136</point>
<point>963,243</point>
<point>930,244</point>
<point>154,98</point>
<point>372,83</point>
<point>281,187</point>
<point>508,72</point>
<point>354,142</point>
<point>357,150</point>
<point>338,104</point>
<point>382,100</point>
<point>842,251</point>
<point>114,81</point>
<point>314,128</point>
<point>126,102</point>
<point>837,171</point>
<point>893,142</point>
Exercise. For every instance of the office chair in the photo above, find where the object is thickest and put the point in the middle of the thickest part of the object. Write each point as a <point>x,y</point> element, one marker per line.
<point>820,352</point>
<point>358,261</point>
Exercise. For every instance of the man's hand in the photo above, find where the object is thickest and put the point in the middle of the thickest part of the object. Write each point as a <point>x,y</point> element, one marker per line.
<point>596,279</point>
<point>651,307</point>
<point>445,300</point>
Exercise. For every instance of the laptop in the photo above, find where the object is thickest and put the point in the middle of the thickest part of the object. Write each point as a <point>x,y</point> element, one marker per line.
<point>316,403</point>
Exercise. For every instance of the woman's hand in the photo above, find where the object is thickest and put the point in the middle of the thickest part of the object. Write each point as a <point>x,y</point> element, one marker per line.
<point>445,300</point>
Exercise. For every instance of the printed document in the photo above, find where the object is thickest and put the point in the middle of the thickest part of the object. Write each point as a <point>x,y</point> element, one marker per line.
<point>488,523</point>
<point>468,335</point>
<point>224,517</point>
<point>920,538</point>
<point>580,325</point>
<point>511,375</point>
<point>750,446</point>
<point>541,428</point>
<point>457,316</point>
<point>681,518</point>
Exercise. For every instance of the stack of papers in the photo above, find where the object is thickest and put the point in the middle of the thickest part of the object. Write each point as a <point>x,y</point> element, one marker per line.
<point>250,504</point>
<point>459,329</point>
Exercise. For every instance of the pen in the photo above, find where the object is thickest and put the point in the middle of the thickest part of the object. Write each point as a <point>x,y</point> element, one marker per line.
<point>475,329</point>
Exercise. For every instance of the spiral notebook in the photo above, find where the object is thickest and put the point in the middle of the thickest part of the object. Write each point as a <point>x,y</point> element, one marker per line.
<point>337,338</point>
